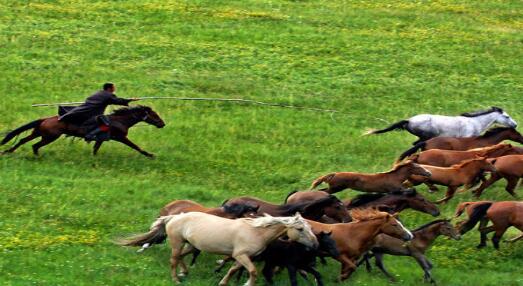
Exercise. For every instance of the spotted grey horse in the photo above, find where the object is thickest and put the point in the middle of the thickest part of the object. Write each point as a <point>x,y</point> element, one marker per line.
<point>427,126</point>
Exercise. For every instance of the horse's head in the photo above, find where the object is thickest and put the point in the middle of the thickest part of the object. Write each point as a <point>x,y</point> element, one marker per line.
<point>150,116</point>
<point>447,229</point>
<point>237,210</point>
<point>418,202</point>
<point>486,165</point>
<point>393,227</point>
<point>414,168</point>
<point>503,118</point>
<point>337,210</point>
<point>514,135</point>
<point>300,231</point>
<point>327,245</point>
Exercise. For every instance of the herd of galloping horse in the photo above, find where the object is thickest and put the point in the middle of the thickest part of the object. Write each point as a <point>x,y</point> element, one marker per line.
<point>456,151</point>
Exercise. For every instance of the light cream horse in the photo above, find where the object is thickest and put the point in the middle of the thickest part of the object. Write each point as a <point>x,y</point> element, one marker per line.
<point>240,238</point>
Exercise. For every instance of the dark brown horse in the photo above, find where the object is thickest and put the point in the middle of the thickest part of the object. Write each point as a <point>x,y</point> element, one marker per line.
<point>502,215</point>
<point>388,182</point>
<point>333,213</point>
<point>313,210</point>
<point>391,203</point>
<point>468,173</point>
<point>51,129</point>
<point>446,158</point>
<point>394,202</point>
<point>509,168</point>
<point>424,236</point>
<point>491,137</point>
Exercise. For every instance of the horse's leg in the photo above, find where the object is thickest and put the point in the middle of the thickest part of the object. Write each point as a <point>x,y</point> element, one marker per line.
<point>315,273</point>
<point>97,146</point>
<point>347,267</point>
<point>186,251</point>
<point>493,178</point>
<point>129,143</point>
<point>366,259</point>
<point>451,190</point>
<point>497,236</point>
<point>24,140</point>
<point>176,248</point>
<point>483,235</point>
<point>292,275</point>
<point>222,263</point>
<point>244,260</point>
<point>267,272</point>
<point>45,140</point>
<point>425,265</point>
<point>512,184</point>
<point>378,258</point>
<point>237,266</point>
<point>432,187</point>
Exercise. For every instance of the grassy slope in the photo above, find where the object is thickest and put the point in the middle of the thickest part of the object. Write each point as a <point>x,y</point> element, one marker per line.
<point>377,60</point>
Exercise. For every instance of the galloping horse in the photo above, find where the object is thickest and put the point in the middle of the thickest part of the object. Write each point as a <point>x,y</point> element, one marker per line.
<point>502,214</point>
<point>424,236</point>
<point>491,137</point>
<point>355,238</point>
<point>446,158</point>
<point>51,129</point>
<point>467,173</point>
<point>314,209</point>
<point>391,181</point>
<point>240,238</point>
<point>427,126</point>
<point>508,167</point>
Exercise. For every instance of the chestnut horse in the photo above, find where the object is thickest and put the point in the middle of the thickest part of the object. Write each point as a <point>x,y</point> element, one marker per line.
<point>313,210</point>
<point>491,137</point>
<point>508,167</point>
<point>424,236</point>
<point>391,181</point>
<point>467,173</point>
<point>51,129</point>
<point>231,211</point>
<point>503,215</point>
<point>355,238</point>
<point>240,238</point>
<point>446,158</point>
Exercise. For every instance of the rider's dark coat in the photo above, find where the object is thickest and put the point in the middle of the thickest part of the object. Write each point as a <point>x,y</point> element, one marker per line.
<point>93,106</point>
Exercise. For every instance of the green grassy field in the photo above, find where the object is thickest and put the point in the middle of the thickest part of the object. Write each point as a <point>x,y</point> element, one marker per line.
<point>378,61</point>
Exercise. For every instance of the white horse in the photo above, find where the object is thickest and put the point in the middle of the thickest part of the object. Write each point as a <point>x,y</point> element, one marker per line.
<point>240,238</point>
<point>469,124</point>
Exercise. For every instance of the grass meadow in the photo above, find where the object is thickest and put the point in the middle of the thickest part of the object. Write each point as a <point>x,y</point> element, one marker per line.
<point>375,61</point>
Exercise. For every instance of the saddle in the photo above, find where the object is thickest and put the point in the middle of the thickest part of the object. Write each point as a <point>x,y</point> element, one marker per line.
<point>90,123</point>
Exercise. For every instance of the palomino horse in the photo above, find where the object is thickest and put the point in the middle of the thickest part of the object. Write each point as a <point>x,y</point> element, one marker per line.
<point>231,211</point>
<point>509,168</point>
<point>355,238</point>
<point>240,238</point>
<point>424,236</point>
<point>388,182</point>
<point>446,158</point>
<point>467,173</point>
<point>313,210</point>
<point>502,214</point>
<point>427,126</point>
<point>51,129</point>
<point>491,137</point>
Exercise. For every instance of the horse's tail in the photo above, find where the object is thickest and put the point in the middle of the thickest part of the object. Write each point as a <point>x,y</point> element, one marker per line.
<point>421,145</point>
<point>322,179</point>
<point>398,125</point>
<point>156,234</point>
<point>21,129</point>
<point>290,194</point>
<point>477,214</point>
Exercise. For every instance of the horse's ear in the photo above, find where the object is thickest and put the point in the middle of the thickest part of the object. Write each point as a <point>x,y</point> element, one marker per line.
<point>297,215</point>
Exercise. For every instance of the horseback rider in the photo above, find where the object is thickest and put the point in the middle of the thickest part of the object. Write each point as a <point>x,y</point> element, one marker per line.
<point>90,114</point>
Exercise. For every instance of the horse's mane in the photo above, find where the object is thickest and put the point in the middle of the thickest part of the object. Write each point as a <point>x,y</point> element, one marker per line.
<point>490,148</point>
<point>494,131</point>
<point>482,112</point>
<point>429,224</point>
<point>364,199</point>
<point>268,220</point>
<point>128,110</point>
<point>366,214</point>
